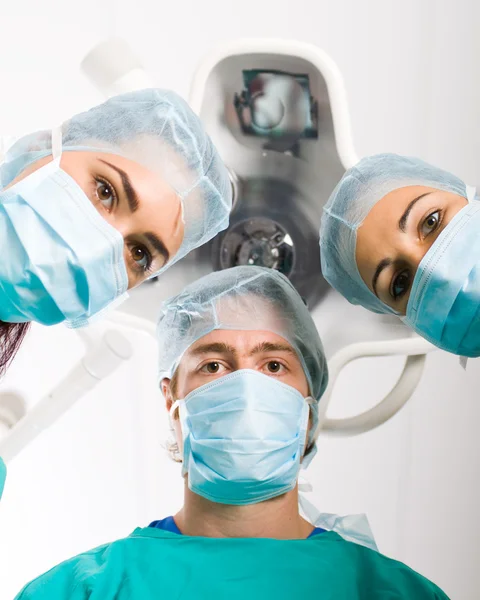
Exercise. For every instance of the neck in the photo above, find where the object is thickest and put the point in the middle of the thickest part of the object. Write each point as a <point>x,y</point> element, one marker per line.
<point>277,518</point>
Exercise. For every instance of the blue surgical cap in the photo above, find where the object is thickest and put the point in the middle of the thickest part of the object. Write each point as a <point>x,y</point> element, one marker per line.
<point>359,190</point>
<point>158,130</point>
<point>246,298</point>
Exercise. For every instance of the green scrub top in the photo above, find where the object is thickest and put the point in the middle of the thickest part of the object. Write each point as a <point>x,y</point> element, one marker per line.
<point>155,564</point>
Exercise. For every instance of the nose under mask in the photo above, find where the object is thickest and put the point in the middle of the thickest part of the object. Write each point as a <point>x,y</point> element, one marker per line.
<point>243,437</point>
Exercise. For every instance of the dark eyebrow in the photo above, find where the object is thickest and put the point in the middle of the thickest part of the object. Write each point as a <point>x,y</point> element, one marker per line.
<point>157,243</point>
<point>130,192</point>
<point>383,264</point>
<point>271,347</point>
<point>402,223</point>
<point>217,347</point>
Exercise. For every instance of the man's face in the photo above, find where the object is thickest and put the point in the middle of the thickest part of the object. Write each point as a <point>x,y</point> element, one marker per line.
<point>224,351</point>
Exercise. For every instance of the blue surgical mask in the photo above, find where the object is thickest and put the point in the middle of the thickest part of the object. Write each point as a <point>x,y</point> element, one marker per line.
<point>61,260</point>
<point>444,304</point>
<point>243,437</point>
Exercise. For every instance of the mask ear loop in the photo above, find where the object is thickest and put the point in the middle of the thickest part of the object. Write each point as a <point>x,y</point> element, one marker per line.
<point>171,412</point>
<point>308,459</point>
<point>471,192</point>
<point>173,408</point>
<point>304,485</point>
<point>57,143</point>
<point>471,197</point>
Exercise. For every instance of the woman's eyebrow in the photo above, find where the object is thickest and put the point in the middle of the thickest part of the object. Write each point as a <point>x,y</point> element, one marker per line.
<point>157,243</point>
<point>402,223</point>
<point>131,194</point>
<point>383,264</point>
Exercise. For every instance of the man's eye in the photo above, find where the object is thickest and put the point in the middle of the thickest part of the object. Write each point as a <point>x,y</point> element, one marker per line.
<point>141,257</point>
<point>431,223</point>
<point>211,368</point>
<point>400,284</point>
<point>274,366</point>
<point>105,193</point>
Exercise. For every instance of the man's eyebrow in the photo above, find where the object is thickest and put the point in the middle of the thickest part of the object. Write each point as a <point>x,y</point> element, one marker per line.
<point>157,243</point>
<point>130,192</point>
<point>271,347</point>
<point>383,264</point>
<point>402,223</point>
<point>217,347</point>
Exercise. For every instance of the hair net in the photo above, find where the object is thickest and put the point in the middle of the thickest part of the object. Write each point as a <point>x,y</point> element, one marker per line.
<point>242,298</point>
<point>158,130</point>
<point>354,197</point>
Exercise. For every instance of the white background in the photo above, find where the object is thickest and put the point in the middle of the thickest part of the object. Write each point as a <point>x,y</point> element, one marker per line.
<point>411,74</point>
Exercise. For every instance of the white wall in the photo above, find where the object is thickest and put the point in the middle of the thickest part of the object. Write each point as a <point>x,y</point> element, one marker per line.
<point>411,75</point>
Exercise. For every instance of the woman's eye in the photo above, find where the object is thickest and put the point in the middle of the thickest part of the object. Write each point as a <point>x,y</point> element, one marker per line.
<point>105,193</point>
<point>400,284</point>
<point>141,256</point>
<point>274,366</point>
<point>212,368</point>
<point>431,223</point>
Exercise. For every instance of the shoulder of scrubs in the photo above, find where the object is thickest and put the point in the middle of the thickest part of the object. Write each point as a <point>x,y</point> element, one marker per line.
<point>73,579</point>
<point>153,563</point>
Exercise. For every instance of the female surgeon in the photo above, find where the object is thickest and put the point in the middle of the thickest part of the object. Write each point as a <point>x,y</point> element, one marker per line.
<point>400,236</point>
<point>94,208</point>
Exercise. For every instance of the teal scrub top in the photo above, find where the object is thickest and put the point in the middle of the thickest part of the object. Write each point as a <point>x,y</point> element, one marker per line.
<point>156,564</point>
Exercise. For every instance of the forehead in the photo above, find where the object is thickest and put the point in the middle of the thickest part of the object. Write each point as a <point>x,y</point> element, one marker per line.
<point>252,312</point>
<point>392,205</point>
<point>242,341</point>
<point>159,157</point>
<point>159,209</point>
<point>380,229</point>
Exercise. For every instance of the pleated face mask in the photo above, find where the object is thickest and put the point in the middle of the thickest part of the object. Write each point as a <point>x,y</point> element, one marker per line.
<point>62,260</point>
<point>244,436</point>
<point>444,304</point>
